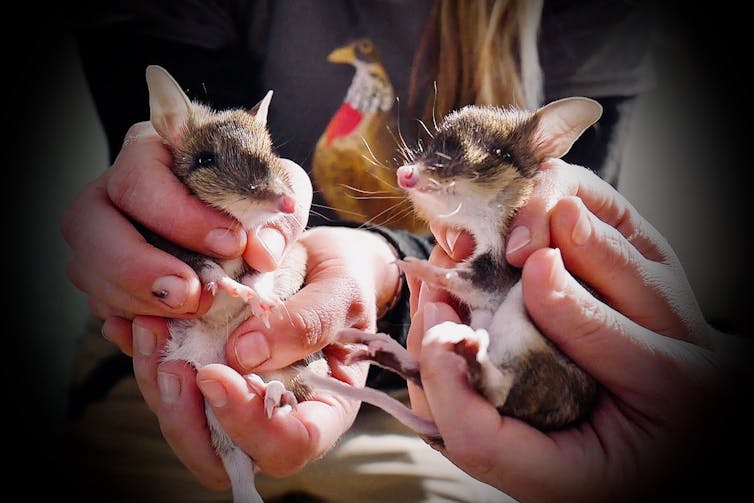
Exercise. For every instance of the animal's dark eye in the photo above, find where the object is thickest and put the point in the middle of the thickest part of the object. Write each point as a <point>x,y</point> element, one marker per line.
<point>205,159</point>
<point>502,154</point>
<point>365,46</point>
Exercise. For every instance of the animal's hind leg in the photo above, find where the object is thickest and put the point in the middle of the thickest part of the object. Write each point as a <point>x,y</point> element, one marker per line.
<point>274,393</point>
<point>382,350</point>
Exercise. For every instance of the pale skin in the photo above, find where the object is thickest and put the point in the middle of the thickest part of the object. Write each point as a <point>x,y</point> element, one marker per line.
<point>119,272</point>
<point>646,342</point>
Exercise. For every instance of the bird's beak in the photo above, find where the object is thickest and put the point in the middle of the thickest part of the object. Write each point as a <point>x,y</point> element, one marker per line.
<point>344,54</point>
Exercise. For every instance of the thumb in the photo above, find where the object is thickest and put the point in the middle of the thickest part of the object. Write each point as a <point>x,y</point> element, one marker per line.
<point>266,246</point>
<point>619,353</point>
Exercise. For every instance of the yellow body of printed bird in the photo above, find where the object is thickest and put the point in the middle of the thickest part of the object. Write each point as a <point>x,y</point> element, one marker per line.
<point>356,157</point>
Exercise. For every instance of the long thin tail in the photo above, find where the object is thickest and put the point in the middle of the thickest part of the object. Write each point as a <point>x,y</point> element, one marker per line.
<point>238,464</point>
<point>240,469</point>
<point>375,397</point>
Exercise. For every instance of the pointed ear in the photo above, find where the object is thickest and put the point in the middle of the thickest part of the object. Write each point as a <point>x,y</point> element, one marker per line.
<point>260,109</point>
<point>169,107</point>
<point>561,122</point>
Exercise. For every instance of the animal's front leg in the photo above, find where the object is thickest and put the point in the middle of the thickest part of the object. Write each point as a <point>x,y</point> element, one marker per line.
<point>448,279</point>
<point>265,300</point>
<point>214,278</point>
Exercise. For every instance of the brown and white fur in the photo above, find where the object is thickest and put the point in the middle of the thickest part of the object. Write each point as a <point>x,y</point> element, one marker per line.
<point>226,160</point>
<point>475,173</point>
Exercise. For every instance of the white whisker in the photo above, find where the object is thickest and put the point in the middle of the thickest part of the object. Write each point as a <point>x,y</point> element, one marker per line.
<point>425,128</point>
<point>374,157</point>
<point>386,210</point>
<point>337,209</point>
<point>454,212</point>
<point>371,198</point>
<point>434,106</point>
<point>362,191</point>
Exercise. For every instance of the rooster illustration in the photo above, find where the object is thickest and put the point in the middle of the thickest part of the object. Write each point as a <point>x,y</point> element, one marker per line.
<point>356,157</point>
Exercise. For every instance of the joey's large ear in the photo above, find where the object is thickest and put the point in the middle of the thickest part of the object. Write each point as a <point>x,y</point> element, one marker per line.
<point>561,122</point>
<point>260,109</point>
<point>169,107</point>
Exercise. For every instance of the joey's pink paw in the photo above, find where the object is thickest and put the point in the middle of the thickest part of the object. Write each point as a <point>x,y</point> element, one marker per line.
<point>380,349</point>
<point>470,343</point>
<point>274,393</point>
<point>262,306</point>
<point>423,270</point>
<point>236,289</point>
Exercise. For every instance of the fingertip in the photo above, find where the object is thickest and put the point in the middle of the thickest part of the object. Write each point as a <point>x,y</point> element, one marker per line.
<point>544,274</point>
<point>435,313</point>
<point>529,232</point>
<point>264,249</point>
<point>570,223</point>
<point>221,386</point>
<point>155,324</point>
<point>302,184</point>
<point>118,331</point>
<point>248,349</point>
<point>175,385</point>
<point>225,242</point>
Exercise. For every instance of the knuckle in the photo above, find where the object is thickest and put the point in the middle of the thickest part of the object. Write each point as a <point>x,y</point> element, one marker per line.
<point>311,324</point>
<point>123,184</point>
<point>594,320</point>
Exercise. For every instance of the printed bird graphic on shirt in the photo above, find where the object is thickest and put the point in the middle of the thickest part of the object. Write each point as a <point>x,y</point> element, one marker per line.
<point>355,159</point>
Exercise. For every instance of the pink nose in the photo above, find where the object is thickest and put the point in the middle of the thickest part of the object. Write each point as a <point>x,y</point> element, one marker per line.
<point>407,176</point>
<point>286,204</point>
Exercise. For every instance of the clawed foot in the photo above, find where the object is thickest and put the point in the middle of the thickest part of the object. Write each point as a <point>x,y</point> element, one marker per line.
<point>469,343</point>
<point>382,350</point>
<point>432,274</point>
<point>492,380</point>
<point>274,393</point>
<point>262,305</point>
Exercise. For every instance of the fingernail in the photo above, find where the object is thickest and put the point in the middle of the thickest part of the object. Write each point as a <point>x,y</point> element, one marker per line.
<point>431,315</point>
<point>214,392</point>
<point>169,386</point>
<point>144,340</point>
<point>582,230</point>
<point>518,238</point>
<point>224,242</point>
<point>558,277</point>
<point>171,290</point>
<point>273,241</point>
<point>252,350</point>
<point>451,237</point>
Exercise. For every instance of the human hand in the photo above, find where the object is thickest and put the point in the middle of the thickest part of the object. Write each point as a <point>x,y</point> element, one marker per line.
<point>644,341</point>
<point>279,446</point>
<point>120,272</point>
<point>345,284</point>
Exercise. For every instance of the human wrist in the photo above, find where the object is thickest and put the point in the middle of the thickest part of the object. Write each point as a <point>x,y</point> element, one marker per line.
<point>388,279</point>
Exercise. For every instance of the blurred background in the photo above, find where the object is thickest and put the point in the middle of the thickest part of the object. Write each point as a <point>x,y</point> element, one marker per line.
<point>684,172</point>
